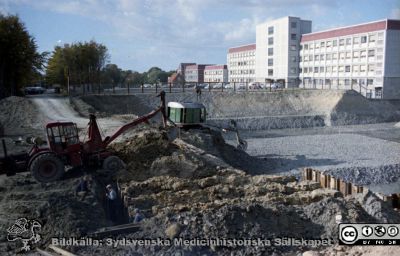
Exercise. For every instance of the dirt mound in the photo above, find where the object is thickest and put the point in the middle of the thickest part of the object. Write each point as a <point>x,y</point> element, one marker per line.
<point>54,205</point>
<point>19,116</point>
<point>106,105</point>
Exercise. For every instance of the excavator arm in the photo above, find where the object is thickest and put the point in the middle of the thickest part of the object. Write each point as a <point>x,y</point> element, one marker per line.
<point>140,120</point>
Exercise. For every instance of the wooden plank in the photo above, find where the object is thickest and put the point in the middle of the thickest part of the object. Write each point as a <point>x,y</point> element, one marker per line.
<point>120,229</point>
<point>44,253</point>
<point>61,251</point>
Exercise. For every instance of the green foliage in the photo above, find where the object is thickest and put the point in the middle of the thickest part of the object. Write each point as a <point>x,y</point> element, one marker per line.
<point>80,62</point>
<point>20,63</point>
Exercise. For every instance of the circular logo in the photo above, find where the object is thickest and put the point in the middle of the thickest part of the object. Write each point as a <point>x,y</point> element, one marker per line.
<point>380,231</point>
<point>367,231</point>
<point>349,234</point>
<point>392,231</point>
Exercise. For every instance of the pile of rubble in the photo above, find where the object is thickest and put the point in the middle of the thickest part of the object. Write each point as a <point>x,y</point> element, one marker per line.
<point>187,188</point>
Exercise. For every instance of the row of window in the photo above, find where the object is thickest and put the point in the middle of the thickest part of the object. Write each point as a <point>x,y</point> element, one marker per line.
<point>338,81</point>
<point>293,24</point>
<point>241,80</point>
<point>341,69</point>
<point>242,54</point>
<point>341,55</point>
<point>242,63</point>
<point>213,72</point>
<point>342,41</point>
<point>242,72</point>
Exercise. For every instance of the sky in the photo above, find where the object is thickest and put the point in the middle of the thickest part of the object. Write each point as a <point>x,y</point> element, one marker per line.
<point>140,34</point>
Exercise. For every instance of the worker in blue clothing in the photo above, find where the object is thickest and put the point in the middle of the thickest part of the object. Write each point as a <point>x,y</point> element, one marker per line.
<point>111,202</point>
<point>83,187</point>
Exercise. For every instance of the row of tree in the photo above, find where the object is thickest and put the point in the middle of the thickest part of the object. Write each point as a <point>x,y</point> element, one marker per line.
<point>77,64</point>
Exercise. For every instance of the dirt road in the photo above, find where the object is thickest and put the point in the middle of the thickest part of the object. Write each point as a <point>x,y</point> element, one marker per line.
<point>59,109</point>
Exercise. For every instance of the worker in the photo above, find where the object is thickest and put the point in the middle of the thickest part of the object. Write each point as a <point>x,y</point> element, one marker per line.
<point>83,187</point>
<point>198,92</point>
<point>135,216</point>
<point>111,202</point>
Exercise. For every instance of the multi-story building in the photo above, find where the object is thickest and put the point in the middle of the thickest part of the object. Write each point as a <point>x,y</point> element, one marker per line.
<point>179,75</point>
<point>277,54</point>
<point>195,73</point>
<point>241,63</point>
<point>364,57</point>
<point>216,73</point>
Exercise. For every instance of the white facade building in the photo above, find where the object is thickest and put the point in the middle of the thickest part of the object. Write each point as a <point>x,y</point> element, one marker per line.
<point>363,57</point>
<point>277,54</point>
<point>216,73</point>
<point>241,63</point>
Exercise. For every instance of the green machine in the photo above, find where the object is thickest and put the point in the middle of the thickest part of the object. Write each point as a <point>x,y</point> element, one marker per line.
<point>186,114</point>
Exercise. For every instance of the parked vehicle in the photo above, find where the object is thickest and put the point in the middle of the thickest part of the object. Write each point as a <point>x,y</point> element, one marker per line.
<point>228,86</point>
<point>217,86</point>
<point>276,86</point>
<point>34,90</point>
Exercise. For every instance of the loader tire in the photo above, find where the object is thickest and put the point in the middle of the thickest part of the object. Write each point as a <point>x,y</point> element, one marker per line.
<point>112,163</point>
<point>47,168</point>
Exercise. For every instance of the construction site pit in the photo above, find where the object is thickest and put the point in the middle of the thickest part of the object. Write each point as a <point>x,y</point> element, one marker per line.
<point>201,195</point>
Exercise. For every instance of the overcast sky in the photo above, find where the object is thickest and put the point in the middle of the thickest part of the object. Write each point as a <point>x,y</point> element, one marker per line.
<point>140,34</point>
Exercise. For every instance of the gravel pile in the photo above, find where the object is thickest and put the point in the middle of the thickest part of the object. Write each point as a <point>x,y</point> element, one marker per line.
<point>383,174</point>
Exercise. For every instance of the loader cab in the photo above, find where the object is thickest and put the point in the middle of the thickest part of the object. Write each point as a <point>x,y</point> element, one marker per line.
<point>186,114</point>
<point>63,137</point>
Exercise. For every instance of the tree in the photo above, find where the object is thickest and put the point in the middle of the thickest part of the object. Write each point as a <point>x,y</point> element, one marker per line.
<point>156,74</point>
<point>81,62</point>
<point>20,61</point>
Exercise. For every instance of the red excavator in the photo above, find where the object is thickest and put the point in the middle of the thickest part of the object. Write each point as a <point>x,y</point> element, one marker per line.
<point>65,148</point>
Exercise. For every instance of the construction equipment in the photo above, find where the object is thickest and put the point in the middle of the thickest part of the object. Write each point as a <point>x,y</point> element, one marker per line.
<point>64,148</point>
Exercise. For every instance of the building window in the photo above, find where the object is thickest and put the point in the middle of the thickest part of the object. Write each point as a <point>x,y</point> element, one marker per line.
<point>305,46</point>
<point>293,70</point>
<point>341,42</point>
<point>328,56</point>
<point>316,57</point>
<point>322,44</point>
<point>293,24</point>
<point>363,39</point>
<point>347,68</point>
<point>371,38</point>
<point>311,46</point>
<point>270,62</point>
<point>300,70</point>
<point>356,40</point>
<point>311,58</point>
<point>371,53</point>
<point>293,47</point>
<point>371,67</point>
<point>348,55</point>
<point>321,69</point>
<point>362,68</point>
<point>363,54</point>
<point>356,68</point>
<point>316,45</point>
<point>341,69</point>
<point>334,69</point>
<point>315,69</point>
<point>329,69</point>
<point>346,81</point>
<point>370,81</point>
<point>328,44</point>
<point>270,30</point>
<point>293,36</point>
<point>270,51</point>
<point>322,57</point>
<point>348,41</point>
<point>293,58</point>
<point>270,40</point>
<point>270,72</point>
<point>334,43</point>
<point>305,70</point>
<point>342,56</point>
<point>356,54</point>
